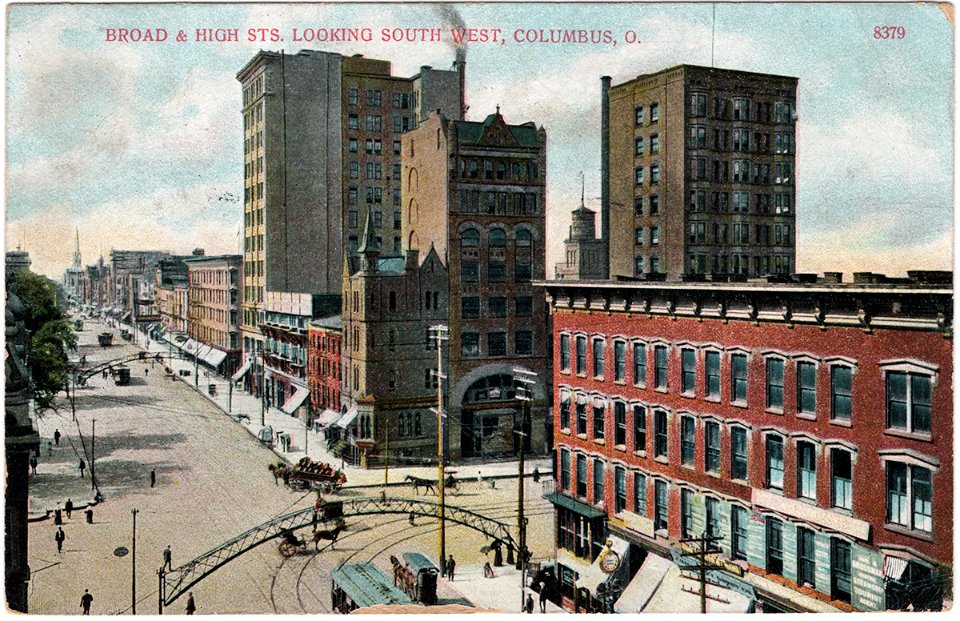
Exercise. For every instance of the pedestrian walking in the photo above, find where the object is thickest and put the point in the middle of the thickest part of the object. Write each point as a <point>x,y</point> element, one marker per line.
<point>451,565</point>
<point>57,517</point>
<point>59,537</point>
<point>536,474</point>
<point>528,605</point>
<point>153,477</point>
<point>56,437</point>
<point>191,604</point>
<point>167,559</point>
<point>85,601</point>
<point>33,465</point>
<point>49,447</point>
<point>412,522</point>
<point>543,597</point>
<point>83,466</point>
<point>146,372</point>
<point>104,374</point>
<point>68,507</point>
<point>89,514</point>
<point>488,571</point>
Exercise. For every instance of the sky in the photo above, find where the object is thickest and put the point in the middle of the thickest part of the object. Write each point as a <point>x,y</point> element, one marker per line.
<point>140,146</point>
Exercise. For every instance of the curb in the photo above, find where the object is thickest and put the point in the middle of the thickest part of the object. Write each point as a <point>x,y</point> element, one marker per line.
<point>50,512</point>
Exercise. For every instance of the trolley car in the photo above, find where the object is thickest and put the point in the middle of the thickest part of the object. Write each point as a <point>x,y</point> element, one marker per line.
<point>361,585</point>
<point>426,574</point>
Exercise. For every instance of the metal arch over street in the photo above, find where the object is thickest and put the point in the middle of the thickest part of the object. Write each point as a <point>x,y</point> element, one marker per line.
<point>177,581</point>
<point>85,374</point>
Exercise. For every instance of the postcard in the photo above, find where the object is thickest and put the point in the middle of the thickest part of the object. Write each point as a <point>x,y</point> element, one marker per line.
<point>508,307</point>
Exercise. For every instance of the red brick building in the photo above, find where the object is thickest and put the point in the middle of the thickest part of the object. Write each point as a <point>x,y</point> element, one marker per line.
<point>809,426</point>
<point>323,363</point>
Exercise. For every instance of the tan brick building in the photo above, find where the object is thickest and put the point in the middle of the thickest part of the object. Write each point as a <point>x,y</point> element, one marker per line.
<point>698,171</point>
<point>213,317</point>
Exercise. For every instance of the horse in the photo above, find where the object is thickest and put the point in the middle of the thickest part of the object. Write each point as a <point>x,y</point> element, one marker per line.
<point>417,482</point>
<point>328,535</point>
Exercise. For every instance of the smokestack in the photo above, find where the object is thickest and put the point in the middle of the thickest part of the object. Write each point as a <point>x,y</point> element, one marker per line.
<point>462,70</point>
<point>605,172</point>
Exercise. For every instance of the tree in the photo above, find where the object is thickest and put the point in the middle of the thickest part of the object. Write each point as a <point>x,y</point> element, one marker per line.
<point>50,334</point>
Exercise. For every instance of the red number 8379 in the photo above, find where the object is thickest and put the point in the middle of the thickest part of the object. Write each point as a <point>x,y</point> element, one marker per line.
<point>889,32</point>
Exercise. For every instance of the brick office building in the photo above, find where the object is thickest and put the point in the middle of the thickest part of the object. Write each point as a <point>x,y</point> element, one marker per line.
<point>475,193</point>
<point>808,425</point>
<point>324,338</point>
<point>698,173</point>
<point>213,315</point>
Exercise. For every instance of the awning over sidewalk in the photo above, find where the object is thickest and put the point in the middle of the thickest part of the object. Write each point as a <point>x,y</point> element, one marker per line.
<point>212,356</point>
<point>242,371</point>
<point>644,584</point>
<point>327,418</point>
<point>296,400</point>
<point>584,509</point>
<point>351,414</point>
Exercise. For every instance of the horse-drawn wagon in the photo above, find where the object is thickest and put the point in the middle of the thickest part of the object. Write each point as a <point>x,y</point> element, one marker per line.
<point>309,474</point>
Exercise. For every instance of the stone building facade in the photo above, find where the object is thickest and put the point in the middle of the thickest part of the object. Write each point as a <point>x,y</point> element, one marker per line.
<point>213,316</point>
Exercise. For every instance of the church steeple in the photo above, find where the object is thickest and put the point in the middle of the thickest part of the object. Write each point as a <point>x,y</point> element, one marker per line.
<point>369,247</point>
<point>77,262</point>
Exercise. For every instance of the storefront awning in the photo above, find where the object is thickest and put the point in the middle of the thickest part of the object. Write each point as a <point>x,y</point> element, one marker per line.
<point>644,584</point>
<point>351,414</point>
<point>212,356</point>
<point>893,567</point>
<point>296,400</point>
<point>659,587</point>
<point>327,418</point>
<point>242,371</point>
<point>562,500</point>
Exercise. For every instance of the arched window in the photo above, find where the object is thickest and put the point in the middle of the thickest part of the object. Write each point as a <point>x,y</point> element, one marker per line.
<point>487,169</point>
<point>524,239</point>
<point>470,237</point>
<point>473,169</point>
<point>501,170</point>
<point>417,430</point>
<point>498,238</point>
<point>403,425</point>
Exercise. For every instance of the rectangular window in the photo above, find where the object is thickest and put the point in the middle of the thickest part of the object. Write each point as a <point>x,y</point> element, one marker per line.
<point>524,306</point>
<point>908,401</point>
<point>497,344</point>
<point>774,452</point>
<point>619,423</point>
<point>638,175</point>
<point>654,235</point>
<point>654,149</point>
<point>898,509</point>
<point>598,357</point>
<point>470,271</point>
<point>738,532</point>
<point>806,388</point>
<point>470,343</point>
<point>688,359</point>
<point>565,411</point>
<point>840,392</point>
<point>686,513</point>
<point>660,507</point>
<point>638,115</point>
<point>922,491</point>
<point>738,453</point>
<point>470,307</point>
<point>840,570</point>
<point>619,361</point>
<point>659,433</point>
<point>712,525</point>
<point>638,146</point>
<point>806,471</point>
<point>660,366</point>
<point>581,476</point>
<point>711,439</point>
<point>497,271</point>
<point>806,558</point>
<point>523,342</point>
<point>599,423</point>
<point>654,112</point>
<point>620,489</point>
<point>565,470</point>
<point>712,363</point>
<point>841,479</point>
<point>581,417</point>
<point>564,348</point>
<point>774,546</point>
<point>738,378</point>
<point>775,383</point>
<point>639,428</point>
<point>597,481</point>
<point>639,364</point>
<point>688,443</point>
<point>581,355</point>
<point>639,493</point>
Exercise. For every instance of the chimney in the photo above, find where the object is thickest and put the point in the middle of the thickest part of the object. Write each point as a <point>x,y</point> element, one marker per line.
<point>462,71</point>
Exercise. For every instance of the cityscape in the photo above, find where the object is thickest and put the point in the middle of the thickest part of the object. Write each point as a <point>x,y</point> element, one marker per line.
<point>496,308</point>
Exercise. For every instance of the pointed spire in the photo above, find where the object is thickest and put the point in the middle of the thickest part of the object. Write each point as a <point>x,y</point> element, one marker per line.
<point>77,262</point>
<point>369,243</point>
<point>583,183</point>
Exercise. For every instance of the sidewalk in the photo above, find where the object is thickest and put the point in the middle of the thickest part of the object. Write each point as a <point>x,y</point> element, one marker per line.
<point>246,410</point>
<point>499,593</point>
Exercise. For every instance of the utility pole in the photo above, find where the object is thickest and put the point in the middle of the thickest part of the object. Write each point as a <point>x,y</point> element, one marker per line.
<point>133,561</point>
<point>93,456</point>
<point>386,460</point>
<point>263,388</point>
<point>525,380</point>
<point>441,333</point>
<point>704,546</point>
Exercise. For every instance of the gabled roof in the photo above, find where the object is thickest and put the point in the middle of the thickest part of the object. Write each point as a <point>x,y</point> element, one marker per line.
<point>493,126</point>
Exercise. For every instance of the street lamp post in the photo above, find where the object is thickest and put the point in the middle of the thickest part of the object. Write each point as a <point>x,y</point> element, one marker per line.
<point>133,561</point>
<point>441,333</point>
<point>525,380</point>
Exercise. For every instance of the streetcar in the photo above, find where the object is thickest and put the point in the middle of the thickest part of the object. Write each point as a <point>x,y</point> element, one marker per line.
<point>425,580</point>
<point>121,375</point>
<point>361,585</point>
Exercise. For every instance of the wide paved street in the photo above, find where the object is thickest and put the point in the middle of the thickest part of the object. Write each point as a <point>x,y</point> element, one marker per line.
<point>212,484</point>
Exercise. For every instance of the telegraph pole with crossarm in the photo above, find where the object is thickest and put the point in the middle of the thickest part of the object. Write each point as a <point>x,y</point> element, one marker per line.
<point>704,546</point>
<point>440,333</point>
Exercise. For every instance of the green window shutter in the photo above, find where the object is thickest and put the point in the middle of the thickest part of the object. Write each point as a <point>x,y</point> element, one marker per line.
<point>789,551</point>
<point>756,541</point>
<point>724,508</point>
